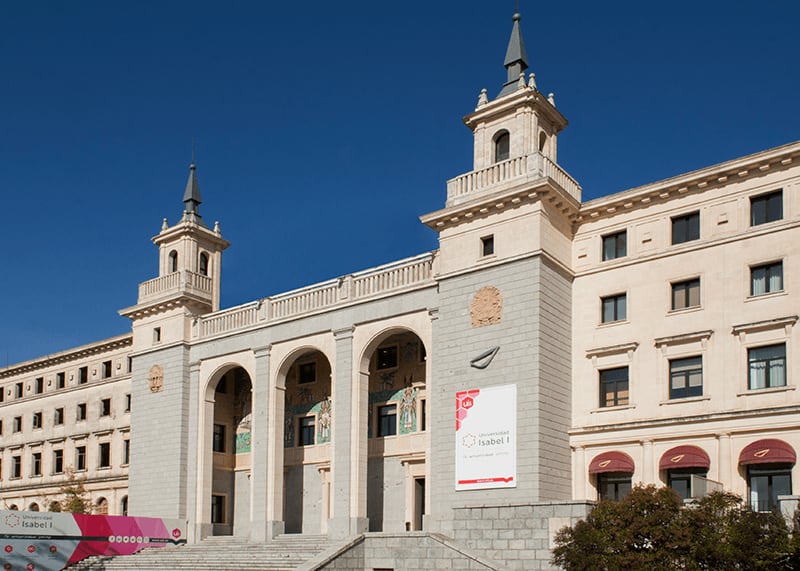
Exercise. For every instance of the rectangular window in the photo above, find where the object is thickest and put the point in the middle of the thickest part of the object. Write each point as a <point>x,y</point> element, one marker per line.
<point>106,369</point>
<point>2,393</point>
<point>423,422</point>
<point>61,380</point>
<point>613,486</point>
<point>80,413</point>
<point>58,417</point>
<point>387,357</point>
<point>686,228</point>
<point>126,451</point>
<point>766,483</point>
<point>36,420</point>
<point>130,364</point>
<point>766,208</point>
<point>80,458</point>
<point>487,245</point>
<point>686,294</point>
<point>39,385</point>
<point>615,245</point>
<point>36,464</point>
<point>218,443</point>
<point>16,467</point>
<point>1,426</point>
<point>767,366</point>
<point>128,402</point>
<point>307,372</point>
<point>307,430</point>
<point>156,335</point>
<point>767,278</point>
<point>105,407</point>
<point>387,420</point>
<point>615,308</point>
<point>19,391</point>
<point>17,424</point>
<point>58,461</point>
<point>686,377</point>
<point>104,455</point>
<point>217,508</point>
<point>83,375</point>
<point>614,387</point>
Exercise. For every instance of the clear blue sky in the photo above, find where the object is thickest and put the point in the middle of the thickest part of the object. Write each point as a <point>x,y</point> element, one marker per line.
<point>324,129</point>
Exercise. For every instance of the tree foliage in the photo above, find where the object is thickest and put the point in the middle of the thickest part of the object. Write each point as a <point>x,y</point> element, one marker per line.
<point>650,529</point>
<point>76,498</point>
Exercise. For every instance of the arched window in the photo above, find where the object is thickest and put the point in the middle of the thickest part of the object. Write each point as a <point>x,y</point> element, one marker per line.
<point>54,507</point>
<point>202,266</point>
<point>502,146</point>
<point>102,506</point>
<point>34,507</point>
<point>173,261</point>
<point>13,507</point>
<point>542,141</point>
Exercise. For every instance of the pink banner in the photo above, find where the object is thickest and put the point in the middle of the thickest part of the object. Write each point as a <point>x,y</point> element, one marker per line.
<point>49,541</point>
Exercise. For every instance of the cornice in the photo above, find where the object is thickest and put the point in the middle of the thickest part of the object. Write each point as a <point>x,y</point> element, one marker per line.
<point>526,97</point>
<point>750,166</point>
<point>82,352</point>
<point>185,300</point>
<point>520,194</point>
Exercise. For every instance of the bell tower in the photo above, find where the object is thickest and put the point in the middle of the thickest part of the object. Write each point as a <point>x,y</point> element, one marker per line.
<point>188,282</point>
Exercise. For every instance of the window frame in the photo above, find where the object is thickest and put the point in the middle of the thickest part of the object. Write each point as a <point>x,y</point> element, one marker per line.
<point>617,314</point>
<point>685,227</point>
<point>619,241</point>
<point>607,382</point>
<point>769,366</point>
<point>767,202</point>
<point>307,430</point>
<point>770,471</point>
<point>686,287</point>
<point>619,481</point>
<point>487,246</point>
<point>501,146</point>
<point>686,374</point>
<point>80,458</point>
<point>36,464</point>
<point>58,461</point>
<point>385,365</point>
<point>767,268</point>
<point>386,424</point>
<point>103,455</point>
<point>218,438</point>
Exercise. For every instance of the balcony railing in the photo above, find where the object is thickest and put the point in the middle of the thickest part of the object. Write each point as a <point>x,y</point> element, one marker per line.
<point>375,282</point>
<point>528,167</point>
<point>183,281</point>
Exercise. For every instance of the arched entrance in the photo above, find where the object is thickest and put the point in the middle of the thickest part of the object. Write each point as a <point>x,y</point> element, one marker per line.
<point>308,414</point>
<point>229,428</point>
<point>397,372</point>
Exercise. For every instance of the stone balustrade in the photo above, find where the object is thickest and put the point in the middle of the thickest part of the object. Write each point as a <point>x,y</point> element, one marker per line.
<point>184,281</point>
<point>375,282</point>
<point>528,167</point>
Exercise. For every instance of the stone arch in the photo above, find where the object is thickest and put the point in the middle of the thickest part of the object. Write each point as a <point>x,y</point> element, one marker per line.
<point>393,363</point>
<point>224,437</point>
<point>306,376</point>
<point>33,507</point>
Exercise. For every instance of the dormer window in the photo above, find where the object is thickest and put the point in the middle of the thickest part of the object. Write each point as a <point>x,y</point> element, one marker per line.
<point>202,266</point>
<point>502,146</point>
<point>173,261</point>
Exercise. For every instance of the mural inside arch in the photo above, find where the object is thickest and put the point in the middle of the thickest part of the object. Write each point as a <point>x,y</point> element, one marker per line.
<point>322,410</point>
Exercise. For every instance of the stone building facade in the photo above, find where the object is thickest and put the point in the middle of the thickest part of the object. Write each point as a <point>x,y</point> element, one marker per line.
<point>648,336</point>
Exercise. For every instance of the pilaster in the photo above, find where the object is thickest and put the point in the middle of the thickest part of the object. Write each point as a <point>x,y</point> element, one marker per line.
<point>262,442</point>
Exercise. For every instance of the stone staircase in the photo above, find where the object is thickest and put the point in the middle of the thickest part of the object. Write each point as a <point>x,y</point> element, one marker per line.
<point>284,553</point>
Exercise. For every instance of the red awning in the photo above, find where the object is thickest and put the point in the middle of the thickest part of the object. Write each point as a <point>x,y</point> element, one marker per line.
<point>684,457</point>
<point>767,451</point>
<point>611,462</point>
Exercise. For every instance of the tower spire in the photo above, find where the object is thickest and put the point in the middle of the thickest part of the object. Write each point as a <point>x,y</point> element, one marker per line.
<point>516,61</point>
<point>191,196</point>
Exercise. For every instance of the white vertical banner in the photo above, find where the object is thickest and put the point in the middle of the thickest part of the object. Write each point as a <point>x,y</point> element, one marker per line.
<point>486,438</point>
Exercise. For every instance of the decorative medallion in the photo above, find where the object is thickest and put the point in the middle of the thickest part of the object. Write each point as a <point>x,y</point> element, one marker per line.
<point>156,378</point>
<point>486,307</point>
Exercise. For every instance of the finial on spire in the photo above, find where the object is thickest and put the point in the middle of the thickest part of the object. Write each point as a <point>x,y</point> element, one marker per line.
<point>191,196</point>
<point>516,61</point>
<point>483,99</point>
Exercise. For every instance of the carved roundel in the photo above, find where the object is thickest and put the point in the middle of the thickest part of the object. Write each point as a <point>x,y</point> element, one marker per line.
<point>486,307</point>
<point>156,378</point>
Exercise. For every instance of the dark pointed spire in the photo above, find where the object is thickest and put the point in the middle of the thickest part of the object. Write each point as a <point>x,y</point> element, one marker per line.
<point>191,196</point>
<point>516,58</point>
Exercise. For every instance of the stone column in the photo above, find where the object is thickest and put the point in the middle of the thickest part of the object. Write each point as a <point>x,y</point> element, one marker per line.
<point>349,443</point>
<point>261,442</point>
<point>724,462</point>
<point>193,478</point>
<point>648,472</point>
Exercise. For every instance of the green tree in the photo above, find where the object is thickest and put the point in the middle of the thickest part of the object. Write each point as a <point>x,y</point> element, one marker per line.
<point>651,530</point>
<point>76,498</point>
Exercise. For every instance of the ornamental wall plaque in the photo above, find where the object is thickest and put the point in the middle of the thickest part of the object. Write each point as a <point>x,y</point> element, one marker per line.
<point>486,307</point>
<point>156,379</point>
